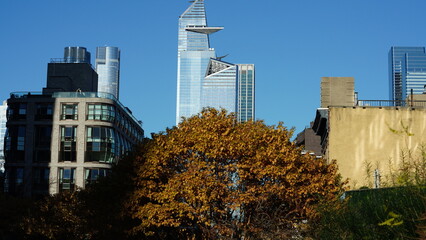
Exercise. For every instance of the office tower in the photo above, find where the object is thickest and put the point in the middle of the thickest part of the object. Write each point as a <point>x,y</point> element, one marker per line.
<point>245,92</point>
<point>194,54</point>
<point>76,55</point>
<point>230,86</point>
<point>219,88</point>
<point>107,65</point>
<point>337,91</point>
<point>407,70</point>
<point>3,121</point>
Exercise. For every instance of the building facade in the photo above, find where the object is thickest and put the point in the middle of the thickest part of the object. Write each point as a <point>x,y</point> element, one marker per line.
<point>67,136</point>
<point>368,140</point>
<point>107,65</point>
<point>64,141</point>
<point>407,71</point>
<point>219,88</point>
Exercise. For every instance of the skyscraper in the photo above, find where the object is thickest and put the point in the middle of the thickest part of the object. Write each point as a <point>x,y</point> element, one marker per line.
<point>219,86</point>
<point>245,92</point>
<point>194,54</point>
<point>107,66</point>
<point>407,70</point>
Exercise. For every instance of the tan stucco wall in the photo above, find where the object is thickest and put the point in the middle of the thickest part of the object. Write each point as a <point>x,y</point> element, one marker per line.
<point>375,135</point>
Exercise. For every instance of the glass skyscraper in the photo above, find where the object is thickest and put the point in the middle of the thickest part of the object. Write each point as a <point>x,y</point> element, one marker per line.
<point>245,92</point>
<point>219,86</point>
<point>204,80</point>
<point>107,66</point>
<point>230,86</point>
<point>194,54</point>
<point>407,70</point>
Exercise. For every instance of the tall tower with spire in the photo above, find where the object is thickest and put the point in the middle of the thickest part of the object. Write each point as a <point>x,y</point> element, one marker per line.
<point>194,54</point>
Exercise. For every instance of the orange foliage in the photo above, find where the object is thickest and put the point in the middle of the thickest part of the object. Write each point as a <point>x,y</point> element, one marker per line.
<point>211,173</point>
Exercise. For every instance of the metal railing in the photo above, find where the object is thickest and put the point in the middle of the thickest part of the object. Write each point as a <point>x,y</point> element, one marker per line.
<point>391,103</point>
<point>25,94</point>
<point>69,60</point>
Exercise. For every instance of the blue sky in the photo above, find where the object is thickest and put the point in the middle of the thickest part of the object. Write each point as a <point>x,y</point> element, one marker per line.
<point>292,43</point>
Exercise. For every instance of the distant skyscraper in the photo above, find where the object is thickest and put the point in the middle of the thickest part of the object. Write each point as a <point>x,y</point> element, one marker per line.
<point>76,55</point>
<point>245,92</point>
<point>108,69</point>
<point>194,54</point>
<point>407,70</point>
<point>230,86</point>
<point>219,88</point>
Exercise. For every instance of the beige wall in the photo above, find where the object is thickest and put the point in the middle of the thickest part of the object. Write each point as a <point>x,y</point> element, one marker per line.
<point>377,135</point>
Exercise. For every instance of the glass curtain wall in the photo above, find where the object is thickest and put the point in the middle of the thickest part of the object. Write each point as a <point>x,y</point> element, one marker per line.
<point>246,97</point>
<point>220,86</point>
<point>404,62</point>
<point>108,69</point>
<point>194,53</point>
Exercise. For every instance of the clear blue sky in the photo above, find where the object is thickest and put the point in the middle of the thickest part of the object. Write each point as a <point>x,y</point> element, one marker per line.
<point>292,43</point>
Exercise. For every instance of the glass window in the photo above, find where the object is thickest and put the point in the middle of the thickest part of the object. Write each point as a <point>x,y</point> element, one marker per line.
<point>14,181</point>
<point>101,112</point>
<point>66,179</point>
<point>15,143</point>
<point>93,174</point>
<point>100,144</point>
<point>16,111</point>
<point>69,111</point>
<point>44,111</point>
<point>68,151</point>
<point>42,139</point>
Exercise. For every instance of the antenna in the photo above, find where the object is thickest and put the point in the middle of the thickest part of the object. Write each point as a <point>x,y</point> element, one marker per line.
<point>220,58</point>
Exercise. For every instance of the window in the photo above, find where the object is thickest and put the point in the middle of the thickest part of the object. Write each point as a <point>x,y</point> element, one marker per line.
<point>100,144</point>
<point>42,139</point>
<point>101,112</point>
<point>15,143</point>
<point>44,111</point>
<point>69,111</point>
<point>17,111</point>
<point>66,179</point>
<point>14,182</point>
<point>68,151</point>
<point>93,174</point>
<point>40,180</point>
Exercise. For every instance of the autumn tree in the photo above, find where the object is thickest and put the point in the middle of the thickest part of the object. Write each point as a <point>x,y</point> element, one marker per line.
<point>212,177</point>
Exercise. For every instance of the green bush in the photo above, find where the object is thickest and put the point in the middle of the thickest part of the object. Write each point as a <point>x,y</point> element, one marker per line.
<point>387,213</point>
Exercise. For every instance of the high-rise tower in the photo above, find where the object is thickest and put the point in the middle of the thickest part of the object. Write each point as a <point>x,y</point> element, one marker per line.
<point>407,70</point>
<point>194,54</point>
<point>108,69</point>
<point>245,92</point>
